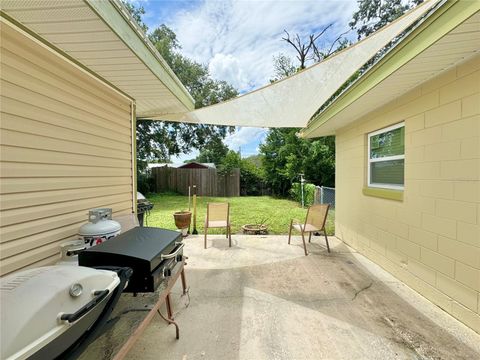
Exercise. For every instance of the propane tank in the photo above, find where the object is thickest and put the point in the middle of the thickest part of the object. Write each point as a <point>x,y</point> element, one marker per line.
<point>100,227</point>
<point>70,250</point>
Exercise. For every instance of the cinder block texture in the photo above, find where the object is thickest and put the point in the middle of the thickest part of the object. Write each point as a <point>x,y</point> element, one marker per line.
<point>431,239</point>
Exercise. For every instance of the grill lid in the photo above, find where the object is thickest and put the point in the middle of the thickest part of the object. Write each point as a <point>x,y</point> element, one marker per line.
<point>137,247</point>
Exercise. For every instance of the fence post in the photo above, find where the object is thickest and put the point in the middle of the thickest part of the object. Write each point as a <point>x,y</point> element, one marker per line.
<point>321,194</point>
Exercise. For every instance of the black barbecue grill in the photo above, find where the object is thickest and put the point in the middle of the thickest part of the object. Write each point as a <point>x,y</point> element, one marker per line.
<point>151,253</point>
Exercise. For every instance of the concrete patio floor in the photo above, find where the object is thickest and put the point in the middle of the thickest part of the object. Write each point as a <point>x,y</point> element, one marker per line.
<point>263,299</point>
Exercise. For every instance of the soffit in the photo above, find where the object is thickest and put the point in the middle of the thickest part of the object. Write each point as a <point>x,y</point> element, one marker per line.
<point>455,47</point>
<point>75,28</point>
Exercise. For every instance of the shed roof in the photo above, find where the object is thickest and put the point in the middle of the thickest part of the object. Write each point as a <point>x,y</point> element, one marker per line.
<point>451,35</point>
<point>103,38</point>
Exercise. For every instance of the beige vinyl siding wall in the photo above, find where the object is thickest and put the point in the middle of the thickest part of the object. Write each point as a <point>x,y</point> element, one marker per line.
<point>66,147</point>
<point>431,239</point>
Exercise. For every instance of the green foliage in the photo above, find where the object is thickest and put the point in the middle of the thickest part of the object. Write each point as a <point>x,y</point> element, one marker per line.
<point>145,182</point>
<point>165,40</point>
<point>252,178</point>
<point>256,160</point>
<point>137,12</point>
<point>308,193</point>
<point>214,151</point>
<point>159,140</point>
<point>372,15</point>
<point>283,67</point>
<point>243,210</point>
<point>231,161</point>
<point>286,156</point>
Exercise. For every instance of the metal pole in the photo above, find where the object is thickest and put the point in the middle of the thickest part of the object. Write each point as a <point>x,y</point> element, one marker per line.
<point>302,180</point>
<point>194,231</point>
<point>321,194</point>
<point>189,208</point>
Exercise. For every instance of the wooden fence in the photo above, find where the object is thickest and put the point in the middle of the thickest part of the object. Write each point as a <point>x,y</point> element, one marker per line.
<point>208,181</point>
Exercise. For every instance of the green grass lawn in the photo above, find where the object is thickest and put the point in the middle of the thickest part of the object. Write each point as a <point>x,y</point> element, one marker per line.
<point>243,210</point>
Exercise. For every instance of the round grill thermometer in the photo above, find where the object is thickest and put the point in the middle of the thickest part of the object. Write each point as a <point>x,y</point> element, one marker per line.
<point>76,290</point>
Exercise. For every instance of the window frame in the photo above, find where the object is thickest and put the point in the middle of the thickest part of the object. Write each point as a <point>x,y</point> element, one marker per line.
<point>387,158</point>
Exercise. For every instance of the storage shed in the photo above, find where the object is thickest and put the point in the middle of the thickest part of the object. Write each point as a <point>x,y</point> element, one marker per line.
<point>74,77</point>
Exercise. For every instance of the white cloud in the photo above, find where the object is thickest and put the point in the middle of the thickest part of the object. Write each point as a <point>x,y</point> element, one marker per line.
<point>237,39</point>
<point>244,136</point>
<point>228,68</point>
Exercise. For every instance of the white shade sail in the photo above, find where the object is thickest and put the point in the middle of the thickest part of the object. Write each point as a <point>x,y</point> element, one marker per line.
<point>291,102</point>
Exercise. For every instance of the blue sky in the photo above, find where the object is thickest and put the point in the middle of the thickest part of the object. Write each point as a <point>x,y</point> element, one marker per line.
<point>237,39</point>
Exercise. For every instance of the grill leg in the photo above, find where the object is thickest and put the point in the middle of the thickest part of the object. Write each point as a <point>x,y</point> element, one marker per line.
<point>184,282</point>
<point>177,330</point>
<point>229,234</point>
<point>168,303</point>
<point>309,237</point>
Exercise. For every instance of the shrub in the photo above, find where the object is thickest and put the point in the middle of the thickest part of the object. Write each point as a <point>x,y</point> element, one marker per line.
<point>308,193</point>
<point>145,182</point>
<point>251,179</point>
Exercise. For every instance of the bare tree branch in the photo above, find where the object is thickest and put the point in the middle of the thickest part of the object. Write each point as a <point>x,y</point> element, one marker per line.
<point>304,49</point>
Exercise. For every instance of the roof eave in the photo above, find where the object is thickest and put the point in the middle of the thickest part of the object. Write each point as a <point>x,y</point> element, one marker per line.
<point>437,25</point>
<point>116,16</point>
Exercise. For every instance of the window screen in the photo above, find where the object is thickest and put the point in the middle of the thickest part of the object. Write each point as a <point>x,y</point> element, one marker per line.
<point>386,157</point>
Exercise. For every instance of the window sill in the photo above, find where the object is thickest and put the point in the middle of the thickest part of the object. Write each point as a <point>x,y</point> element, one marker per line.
<point>389,194</point>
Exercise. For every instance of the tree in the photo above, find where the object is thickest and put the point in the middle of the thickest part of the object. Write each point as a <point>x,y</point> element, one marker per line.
<point>159,140</point>
<point>277,147</point>
<point>304,48</point>
<point>375,14</point>
<point>165,41</point>
<point>252,178</point>
<point>283,67</point>
<point>307,50</point>
<point>231,161</point>
<point>286,156</point>
<point>214,151</point>
<point>137,12</point>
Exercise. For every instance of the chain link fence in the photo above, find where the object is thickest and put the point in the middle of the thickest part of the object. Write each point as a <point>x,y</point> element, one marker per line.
<point>324,195</point>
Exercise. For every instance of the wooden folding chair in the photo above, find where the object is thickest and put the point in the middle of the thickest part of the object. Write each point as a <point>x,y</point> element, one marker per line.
<point>314,222</point>
<point>218,216</point>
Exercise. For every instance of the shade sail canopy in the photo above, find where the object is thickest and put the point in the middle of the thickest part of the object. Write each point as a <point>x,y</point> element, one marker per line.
<point>456,39</point>
<point>291,102</point>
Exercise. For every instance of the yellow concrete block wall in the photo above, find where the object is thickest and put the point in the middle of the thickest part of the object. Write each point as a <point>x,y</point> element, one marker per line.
<point>431,239</point>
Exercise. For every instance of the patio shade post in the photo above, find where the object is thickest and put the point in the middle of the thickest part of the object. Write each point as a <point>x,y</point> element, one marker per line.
<point>194,232</point>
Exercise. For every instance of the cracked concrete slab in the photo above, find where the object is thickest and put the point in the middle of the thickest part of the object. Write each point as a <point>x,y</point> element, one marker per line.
<point>263,299</point>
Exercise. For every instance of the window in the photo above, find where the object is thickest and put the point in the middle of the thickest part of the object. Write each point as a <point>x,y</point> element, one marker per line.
<point>386,157</point>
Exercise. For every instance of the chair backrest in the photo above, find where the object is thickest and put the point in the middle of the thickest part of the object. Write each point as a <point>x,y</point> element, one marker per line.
<point>317,215</point>
<point>218,211</point>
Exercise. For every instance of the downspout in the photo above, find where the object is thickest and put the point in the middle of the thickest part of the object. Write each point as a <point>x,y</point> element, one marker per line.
<point>133,112</point>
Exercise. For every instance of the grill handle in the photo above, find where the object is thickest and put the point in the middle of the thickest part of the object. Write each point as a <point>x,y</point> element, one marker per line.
<point>99,296</point>
<point>174,254</point>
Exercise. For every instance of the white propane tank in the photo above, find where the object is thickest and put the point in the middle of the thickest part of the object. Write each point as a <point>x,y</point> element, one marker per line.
<point>100,227</point>
<point>70,250</point>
